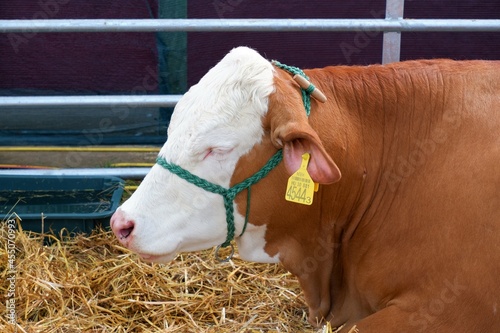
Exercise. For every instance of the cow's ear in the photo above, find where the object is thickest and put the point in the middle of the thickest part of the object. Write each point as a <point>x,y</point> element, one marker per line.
<point>300,138</point>
<point>290,129</point>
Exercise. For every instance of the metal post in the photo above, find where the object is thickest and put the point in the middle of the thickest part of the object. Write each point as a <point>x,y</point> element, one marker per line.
<point>391,48</point>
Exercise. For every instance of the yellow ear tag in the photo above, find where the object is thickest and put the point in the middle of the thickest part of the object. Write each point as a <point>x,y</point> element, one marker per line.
<point>300,187</point>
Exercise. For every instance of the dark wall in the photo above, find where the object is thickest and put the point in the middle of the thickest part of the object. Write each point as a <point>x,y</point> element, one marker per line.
<point>311,49</point>
<point>119,62</point>
<point>321,49</point>
<point>460,45</point>
<point>78,62</point>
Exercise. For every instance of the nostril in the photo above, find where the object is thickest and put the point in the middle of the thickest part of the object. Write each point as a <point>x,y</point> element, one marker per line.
<point>121,225</point>
<point>124,233</point>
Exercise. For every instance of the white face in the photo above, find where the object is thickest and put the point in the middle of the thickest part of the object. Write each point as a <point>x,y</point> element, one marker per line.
<point>213,125</point>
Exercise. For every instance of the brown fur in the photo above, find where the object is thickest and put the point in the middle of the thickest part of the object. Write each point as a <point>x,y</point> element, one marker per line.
<point>408,240</point>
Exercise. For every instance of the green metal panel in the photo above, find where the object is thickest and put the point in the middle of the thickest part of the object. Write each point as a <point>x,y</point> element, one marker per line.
<point>172,54</point>
<point>172,49</point>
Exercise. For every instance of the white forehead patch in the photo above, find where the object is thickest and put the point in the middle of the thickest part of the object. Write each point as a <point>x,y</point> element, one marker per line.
<point>224,110</point>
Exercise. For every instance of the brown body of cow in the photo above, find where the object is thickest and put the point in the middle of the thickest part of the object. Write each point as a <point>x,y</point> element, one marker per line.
<point>408,240</point>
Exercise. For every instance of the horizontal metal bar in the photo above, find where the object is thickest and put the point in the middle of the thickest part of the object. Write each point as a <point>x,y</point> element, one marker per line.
<point>217,25</point>
<point>85,149</point>
<point>125,173</point>
<point>91,101</point>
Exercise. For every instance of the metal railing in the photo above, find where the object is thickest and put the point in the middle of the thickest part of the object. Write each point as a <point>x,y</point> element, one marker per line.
<point>125,173</point>
<point>392,26</point>
<point>252,25</point>
<point>91,101</point>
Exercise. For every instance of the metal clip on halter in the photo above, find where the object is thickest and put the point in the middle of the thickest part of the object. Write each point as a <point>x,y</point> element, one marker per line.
<point>226,259</point>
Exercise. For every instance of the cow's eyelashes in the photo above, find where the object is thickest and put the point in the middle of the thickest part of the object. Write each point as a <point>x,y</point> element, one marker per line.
<point>217,153</point>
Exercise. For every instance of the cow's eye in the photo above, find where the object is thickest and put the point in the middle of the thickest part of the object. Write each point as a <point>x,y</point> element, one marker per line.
<point>217,153</point>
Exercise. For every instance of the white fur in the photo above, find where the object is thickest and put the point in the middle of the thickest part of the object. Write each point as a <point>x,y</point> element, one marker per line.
<point>251,245</point>
<point>215,123</point>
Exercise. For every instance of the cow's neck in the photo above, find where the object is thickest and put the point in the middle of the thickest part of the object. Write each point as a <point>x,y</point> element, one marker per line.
<point>369,121</point>
<point>357,126</point>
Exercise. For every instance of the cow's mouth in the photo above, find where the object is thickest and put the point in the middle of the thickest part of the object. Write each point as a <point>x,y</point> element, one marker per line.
<point>159,259</point>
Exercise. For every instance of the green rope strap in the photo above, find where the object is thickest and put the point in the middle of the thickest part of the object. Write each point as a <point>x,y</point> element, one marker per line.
<point>227,193</point>
<point>306,93</point>
<point>230,193</point>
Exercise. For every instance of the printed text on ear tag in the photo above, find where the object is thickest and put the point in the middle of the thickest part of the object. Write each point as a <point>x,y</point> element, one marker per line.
<point>300,187</point>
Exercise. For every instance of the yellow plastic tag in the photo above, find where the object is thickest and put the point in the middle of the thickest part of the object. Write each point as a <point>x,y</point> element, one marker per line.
<point>300,187</point>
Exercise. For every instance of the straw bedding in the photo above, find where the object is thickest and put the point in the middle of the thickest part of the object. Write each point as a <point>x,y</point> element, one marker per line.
<point>92,284</point>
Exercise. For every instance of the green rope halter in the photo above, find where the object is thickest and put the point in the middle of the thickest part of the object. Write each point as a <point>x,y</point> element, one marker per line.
<point>230,193</point>
<point>306,93</point>
<point>227,193</point>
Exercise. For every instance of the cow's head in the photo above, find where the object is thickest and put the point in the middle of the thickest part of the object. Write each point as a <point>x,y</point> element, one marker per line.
<point>223,130</point>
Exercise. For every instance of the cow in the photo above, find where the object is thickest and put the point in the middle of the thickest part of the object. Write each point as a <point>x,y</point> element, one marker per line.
<point>403,233</point>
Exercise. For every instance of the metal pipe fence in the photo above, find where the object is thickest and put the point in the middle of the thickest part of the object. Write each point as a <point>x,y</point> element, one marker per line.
<point>252,25</point>
<point>125,173</point>
<point>389,25</point>
<point>392,26</point>
<point>91,101</point>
